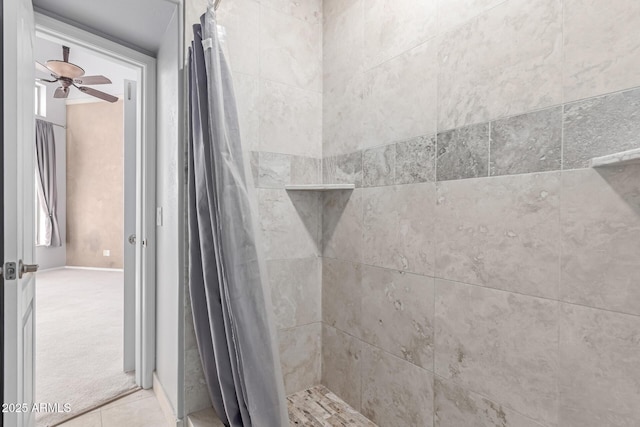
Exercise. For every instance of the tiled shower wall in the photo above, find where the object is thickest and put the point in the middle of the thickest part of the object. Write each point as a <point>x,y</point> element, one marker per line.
<point>480,273</point>
<point>274,49</point>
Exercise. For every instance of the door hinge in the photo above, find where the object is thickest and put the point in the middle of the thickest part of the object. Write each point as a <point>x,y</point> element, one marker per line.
<point>9,272</point>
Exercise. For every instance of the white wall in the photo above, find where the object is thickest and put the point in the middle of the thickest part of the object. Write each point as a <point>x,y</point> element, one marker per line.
<point>170,172</point>
<point>56,113</point>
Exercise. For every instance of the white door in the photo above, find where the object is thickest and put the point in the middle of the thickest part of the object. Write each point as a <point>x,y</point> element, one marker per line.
<point>18,232</point>
<point>130,238</point>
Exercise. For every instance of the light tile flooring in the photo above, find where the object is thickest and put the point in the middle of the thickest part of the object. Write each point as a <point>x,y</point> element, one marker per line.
<point>316,407</point>
<point>140,409</point>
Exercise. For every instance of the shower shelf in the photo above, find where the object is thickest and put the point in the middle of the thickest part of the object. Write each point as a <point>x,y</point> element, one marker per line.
<point>615,159</point>
<point>319,187</point>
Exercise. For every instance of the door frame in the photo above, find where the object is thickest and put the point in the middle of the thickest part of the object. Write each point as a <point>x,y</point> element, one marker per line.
<point>2,205</point>
<point>145,66</point>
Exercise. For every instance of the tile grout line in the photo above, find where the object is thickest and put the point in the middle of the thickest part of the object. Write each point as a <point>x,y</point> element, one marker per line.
<point>558,300</point>
<point>489,150</point>
<point>492,400</point>
<point>361,345</point>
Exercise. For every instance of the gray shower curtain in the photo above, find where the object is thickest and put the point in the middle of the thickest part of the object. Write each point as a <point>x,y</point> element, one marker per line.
<point>47,182</point>
<point>230,301</point>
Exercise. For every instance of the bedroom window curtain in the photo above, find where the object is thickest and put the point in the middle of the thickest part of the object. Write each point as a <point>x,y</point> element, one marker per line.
<point>47,186</point>
<point>229,292</point>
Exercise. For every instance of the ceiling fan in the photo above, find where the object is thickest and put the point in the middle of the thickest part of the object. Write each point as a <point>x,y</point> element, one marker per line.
<point>69,74</point>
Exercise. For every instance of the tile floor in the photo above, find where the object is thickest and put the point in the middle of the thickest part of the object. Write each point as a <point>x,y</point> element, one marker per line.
<point>317,407</point>
<point>140,409</point>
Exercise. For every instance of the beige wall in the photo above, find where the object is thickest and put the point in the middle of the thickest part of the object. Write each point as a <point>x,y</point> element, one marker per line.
<point>95,184</point>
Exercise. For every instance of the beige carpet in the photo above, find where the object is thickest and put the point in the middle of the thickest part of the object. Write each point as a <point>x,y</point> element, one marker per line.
<point>79,316</point>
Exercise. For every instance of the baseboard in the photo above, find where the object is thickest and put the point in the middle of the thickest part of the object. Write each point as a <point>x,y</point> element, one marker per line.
<point>167,409</point>
<point>205,418</point>
<point>73,267</point>
<point>45,270</point>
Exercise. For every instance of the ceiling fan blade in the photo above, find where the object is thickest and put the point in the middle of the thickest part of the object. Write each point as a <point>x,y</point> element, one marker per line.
<point>44,69</point>
<point>93,92</point>
<point>92,80</point>
<point>61,92</point>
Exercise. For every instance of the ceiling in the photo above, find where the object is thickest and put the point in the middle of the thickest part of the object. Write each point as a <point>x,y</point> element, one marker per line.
<point>138,24</point>
<point>92,64</point>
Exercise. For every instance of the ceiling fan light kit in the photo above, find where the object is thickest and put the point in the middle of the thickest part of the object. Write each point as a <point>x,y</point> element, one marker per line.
<point>68,74</point>
<point>66,69</point>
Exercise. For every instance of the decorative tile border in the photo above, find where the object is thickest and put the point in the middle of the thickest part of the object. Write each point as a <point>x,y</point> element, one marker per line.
<point>275,170</point>
<point>556,138</point>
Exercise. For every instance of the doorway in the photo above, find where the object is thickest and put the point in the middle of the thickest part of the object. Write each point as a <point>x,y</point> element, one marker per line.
<point>119,38</point>
<point>96,332</point>
<point>80,298</point>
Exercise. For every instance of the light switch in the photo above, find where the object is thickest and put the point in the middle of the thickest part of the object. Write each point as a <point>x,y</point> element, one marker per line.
<point>159,216</point>
<point>106,252</point>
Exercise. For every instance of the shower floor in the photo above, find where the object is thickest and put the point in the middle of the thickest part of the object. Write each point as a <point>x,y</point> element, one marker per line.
<point>317,406</point>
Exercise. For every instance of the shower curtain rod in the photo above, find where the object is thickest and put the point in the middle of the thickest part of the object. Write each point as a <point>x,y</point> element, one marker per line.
<point>55,124</point>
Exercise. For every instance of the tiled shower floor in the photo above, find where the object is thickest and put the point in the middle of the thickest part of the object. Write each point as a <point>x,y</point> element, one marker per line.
<point>319,407</point>
<point>315,407</point>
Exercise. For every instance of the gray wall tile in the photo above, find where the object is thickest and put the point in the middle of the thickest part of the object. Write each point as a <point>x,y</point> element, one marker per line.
<point>527,143</point>
<point>342,225</point>
<point>599,126</point>
<point>305,170</point>
<point>296,291</point>
<point>290,119</point>
<point>394,391</point>
<point>341,295</point>
<point>600,47</point>
<point>290,223</point>
<point>300,356</point>
<point>601,238</point>
<point>416,160</point>
<point>500,345</point>
<point>343,169</point>
<point>341,359</point>
<point>294,56</point>
<point>343,83</point>
<point>600,373</point>
<point>399,94</point>
<point>274,170</point>
<point>378,166</point>
<point>504,62</point>
<point>397,314</point>
<point>392,28</point>
<point>398,227</point>
<point>254,165</point>
<point>463,153</point>
<point>501,232</point>
<point>457,407</point>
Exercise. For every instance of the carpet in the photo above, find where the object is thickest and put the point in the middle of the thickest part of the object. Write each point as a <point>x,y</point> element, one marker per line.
<point>79,321</point>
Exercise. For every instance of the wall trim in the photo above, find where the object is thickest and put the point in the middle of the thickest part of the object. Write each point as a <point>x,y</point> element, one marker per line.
<point>163,400</point>
<point>74,267</point>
